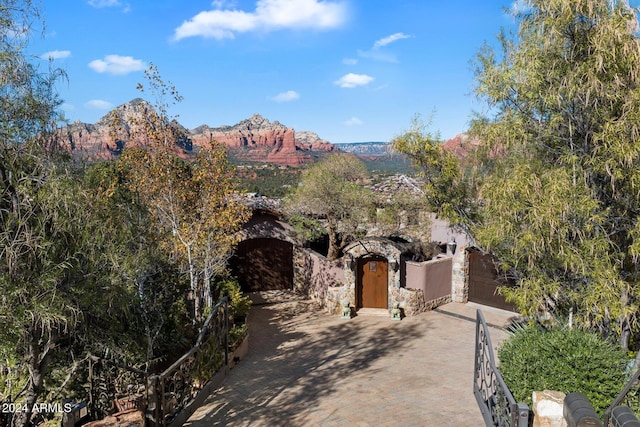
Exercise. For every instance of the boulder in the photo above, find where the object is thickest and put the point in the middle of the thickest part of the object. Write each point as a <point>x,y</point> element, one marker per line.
<point>548,409</point>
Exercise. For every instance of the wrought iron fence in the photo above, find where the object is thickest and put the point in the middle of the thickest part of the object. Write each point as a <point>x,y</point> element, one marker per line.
<point>170,397</point>
<point>114,387</point>
<point>173,395</point>
<point>629,397</point>
<point>498,407</point>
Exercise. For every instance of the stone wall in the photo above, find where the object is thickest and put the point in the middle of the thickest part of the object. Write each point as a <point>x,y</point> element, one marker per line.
<point>410,301</point>
<point>330,283</point>
<point>314,274</point>
<point>459,275</point>
<point>334,297</point>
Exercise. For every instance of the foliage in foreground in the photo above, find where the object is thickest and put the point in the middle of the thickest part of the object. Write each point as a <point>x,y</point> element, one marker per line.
<point>554,191</point>
<point>82,266</point>
<point>566,360</point>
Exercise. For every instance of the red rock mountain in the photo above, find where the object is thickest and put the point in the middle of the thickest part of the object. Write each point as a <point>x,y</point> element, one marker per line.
<point>254,139</point>
<point>461,145</point>
<point>258,139</point>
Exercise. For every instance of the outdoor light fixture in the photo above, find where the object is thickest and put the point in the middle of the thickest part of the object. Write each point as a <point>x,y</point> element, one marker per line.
<point>452,245</point>
<point>351,262</point>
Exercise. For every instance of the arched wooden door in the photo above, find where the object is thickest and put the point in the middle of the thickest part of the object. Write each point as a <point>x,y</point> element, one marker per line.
<point>372,283</point>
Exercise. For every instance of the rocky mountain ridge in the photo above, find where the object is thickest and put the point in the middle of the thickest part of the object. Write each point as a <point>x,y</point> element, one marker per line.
<point>254,139</point>
<point>376,148</point>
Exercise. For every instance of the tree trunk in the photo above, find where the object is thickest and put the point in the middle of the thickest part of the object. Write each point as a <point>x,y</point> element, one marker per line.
<point>334,241</point>
<point>193,282</point>
<point>37,360</point>
<point>208,298</point>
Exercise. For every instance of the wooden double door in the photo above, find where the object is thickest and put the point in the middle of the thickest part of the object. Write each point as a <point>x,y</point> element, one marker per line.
<point>372,283</point>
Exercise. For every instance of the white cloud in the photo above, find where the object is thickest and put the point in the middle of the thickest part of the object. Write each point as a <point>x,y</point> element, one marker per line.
<point>353,121</point>
<point>219,4</point>
<point>269,15</point>
<point>116,64</point>
<point>98,104</point>
<point>99,4</point>
<point>103,3</point>
<point>56,54</point>
<point>378,54</point>
<point>352,80</point>
<point>290,95</point>
<point>390,39</point>
<point>349,61</point>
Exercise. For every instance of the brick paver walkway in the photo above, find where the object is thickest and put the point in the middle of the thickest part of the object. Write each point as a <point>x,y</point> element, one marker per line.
<point>307,368</point>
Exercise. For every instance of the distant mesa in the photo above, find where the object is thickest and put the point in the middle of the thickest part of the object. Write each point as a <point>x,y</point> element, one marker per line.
<point>255,139</point>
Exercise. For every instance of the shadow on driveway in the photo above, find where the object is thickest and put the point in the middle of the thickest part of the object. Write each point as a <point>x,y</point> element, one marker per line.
<point>305,368</point>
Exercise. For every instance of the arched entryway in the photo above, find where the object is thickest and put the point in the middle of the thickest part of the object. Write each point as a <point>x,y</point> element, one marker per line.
<point>263,264</point>
<point>372,282</point>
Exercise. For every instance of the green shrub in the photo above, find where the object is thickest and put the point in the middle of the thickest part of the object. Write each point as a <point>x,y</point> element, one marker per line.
<point>536,359</point>
<point>239,304</point>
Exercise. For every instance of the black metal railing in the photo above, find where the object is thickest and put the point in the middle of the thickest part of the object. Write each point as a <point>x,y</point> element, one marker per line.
<point>114,387</point>
<point>498,407</point>
<point>173,395</point>
<point>628,397</point>
<point>168,398</point>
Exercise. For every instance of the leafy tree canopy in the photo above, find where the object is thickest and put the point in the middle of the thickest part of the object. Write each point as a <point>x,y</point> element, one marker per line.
<point>333,190</point>
<point>554,191</point>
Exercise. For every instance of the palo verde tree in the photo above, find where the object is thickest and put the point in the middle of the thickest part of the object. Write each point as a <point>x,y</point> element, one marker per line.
<point>189,197</point>
<point>333,191</point>
<point>559,198</point>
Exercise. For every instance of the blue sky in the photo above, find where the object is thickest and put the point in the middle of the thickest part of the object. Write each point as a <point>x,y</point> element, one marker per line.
<point>349,70</point>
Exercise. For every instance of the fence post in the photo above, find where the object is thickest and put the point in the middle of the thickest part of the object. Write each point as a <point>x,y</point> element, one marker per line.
<point>154,416</point>
<point>522,415</point>
<point>226,332</point>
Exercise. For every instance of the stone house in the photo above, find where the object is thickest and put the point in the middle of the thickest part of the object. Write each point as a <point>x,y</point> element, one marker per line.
<point>374,273</point>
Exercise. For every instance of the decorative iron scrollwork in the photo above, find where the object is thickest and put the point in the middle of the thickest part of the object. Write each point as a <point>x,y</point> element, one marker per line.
<point>498,407</point>
<point>181,382</point>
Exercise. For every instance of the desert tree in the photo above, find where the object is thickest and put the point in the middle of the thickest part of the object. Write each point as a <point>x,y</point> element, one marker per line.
<point>558,197</point>
<point>333,190</point>
<point>36,239</point>
<point>190,197</point>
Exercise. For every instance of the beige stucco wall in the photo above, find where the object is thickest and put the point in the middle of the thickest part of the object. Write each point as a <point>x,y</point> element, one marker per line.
<point>432,277</point>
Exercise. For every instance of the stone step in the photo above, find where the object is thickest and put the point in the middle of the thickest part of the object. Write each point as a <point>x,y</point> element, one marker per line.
<point>379,312</point>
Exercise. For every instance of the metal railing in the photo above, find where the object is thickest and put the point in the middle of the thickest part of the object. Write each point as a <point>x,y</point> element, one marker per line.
<point>114,387</point>
<point>168,398</point>
<point>175,394</point>
<point>498,407</point>
<point>629,396</point>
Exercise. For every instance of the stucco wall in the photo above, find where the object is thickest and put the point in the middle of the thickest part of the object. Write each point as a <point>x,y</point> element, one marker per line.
<point>441,231</point>
<point>432,277</point>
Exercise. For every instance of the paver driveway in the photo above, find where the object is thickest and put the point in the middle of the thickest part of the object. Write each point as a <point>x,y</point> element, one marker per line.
<point>307,368</point>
